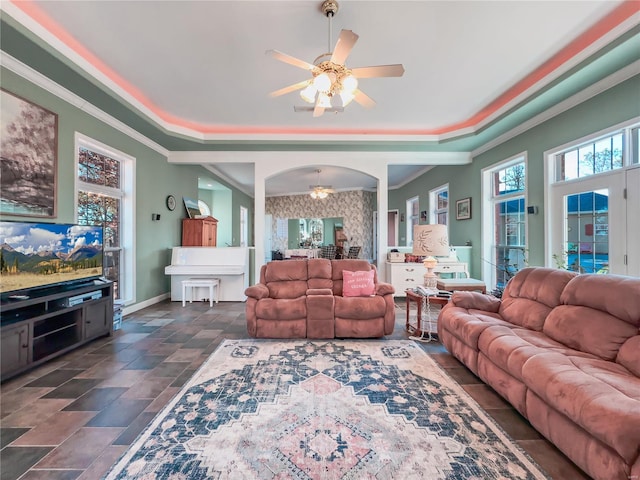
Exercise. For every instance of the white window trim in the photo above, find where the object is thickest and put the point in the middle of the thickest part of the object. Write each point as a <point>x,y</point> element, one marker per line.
<point>409,216</point>
<point>244,226</point>
<point>591,182</point>
<point>433,203</point>
<point>128,212</point>
<point>487,267</point>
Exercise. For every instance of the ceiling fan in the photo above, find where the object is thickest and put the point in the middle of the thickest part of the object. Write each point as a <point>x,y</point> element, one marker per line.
<point>320,191</point>
<point>332,85</point>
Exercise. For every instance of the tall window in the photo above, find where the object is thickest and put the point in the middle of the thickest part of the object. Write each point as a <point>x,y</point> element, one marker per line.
<point>103,186</point>
<point>439,205</point>
<point>413,218</point>
<point>591,181</point>
<point>504,245</point>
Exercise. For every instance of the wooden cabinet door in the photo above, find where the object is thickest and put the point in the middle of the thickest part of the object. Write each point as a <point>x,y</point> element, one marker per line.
<point>14,345</point>
<point>96,319</point>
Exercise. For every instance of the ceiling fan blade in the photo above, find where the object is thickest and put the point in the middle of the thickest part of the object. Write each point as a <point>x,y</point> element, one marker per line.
<point>309,108</point>
<point>296,62</point>
<point>318,110</point>
<point>345,43</point>
<point>363,99</point>
<point>290,88</point>
<point>396,70</point>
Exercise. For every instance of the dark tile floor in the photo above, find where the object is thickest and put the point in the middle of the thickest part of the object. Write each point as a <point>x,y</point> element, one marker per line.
<point>72,417</point>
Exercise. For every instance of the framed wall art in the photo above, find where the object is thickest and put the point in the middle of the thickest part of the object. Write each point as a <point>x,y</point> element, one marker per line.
<point>463,209</point>
<point>29,161</point>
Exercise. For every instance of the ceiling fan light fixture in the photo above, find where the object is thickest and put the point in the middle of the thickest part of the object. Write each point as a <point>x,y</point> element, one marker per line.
<point>346,97</point>
<point>308,94</point>
<point>349,83</point>
<point>324,100</point>
<point>322,83</point>
<point>319,194</point>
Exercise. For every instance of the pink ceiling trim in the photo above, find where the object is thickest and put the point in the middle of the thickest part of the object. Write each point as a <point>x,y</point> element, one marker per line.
<point>616,17</point>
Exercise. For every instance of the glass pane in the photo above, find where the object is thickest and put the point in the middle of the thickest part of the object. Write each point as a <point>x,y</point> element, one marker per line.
<point>617,156</point>
<point>442,218</point>
<point>98,169</point>
<point>602,159</point>
<point>587,235</point>
<point>510,180</point>
<point>585,156</point>
<point>510,239</point>
<point>570,165</point>
<point>443,200</point>
<point>112,269</point>
<point>96,209</point>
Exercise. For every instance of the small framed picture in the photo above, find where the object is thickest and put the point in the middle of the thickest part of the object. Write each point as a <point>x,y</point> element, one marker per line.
<point>463,209</point>
<point>423,215</point>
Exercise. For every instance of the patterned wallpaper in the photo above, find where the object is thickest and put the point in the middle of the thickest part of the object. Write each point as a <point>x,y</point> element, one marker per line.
<point>355,207</point>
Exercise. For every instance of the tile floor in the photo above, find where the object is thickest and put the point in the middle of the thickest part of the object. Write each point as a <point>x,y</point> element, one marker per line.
<point>72,417</point>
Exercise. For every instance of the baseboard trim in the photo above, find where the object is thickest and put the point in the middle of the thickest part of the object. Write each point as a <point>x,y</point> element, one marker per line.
<point>147,303</point>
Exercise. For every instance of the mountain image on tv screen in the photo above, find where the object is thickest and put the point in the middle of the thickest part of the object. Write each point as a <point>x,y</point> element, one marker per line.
<point>39,254</point>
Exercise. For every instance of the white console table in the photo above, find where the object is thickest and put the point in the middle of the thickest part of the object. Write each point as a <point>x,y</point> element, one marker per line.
<point>407,275</point>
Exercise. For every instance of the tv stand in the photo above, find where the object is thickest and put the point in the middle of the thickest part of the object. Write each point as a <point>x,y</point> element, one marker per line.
<point>52,321</point>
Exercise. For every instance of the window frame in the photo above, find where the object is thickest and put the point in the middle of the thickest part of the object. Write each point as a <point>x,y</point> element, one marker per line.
<point>127,274</point>
<point>434,211</point>
<point>489,202</point>
<point>411,217</point>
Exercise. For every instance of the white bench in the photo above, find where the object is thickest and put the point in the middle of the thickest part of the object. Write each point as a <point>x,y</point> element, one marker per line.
<point>212,284</point>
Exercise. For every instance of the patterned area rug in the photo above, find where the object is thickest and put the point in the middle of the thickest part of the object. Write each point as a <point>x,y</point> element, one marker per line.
<point>323,410</point>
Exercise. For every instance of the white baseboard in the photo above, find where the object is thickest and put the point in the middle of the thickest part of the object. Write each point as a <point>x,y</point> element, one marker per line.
<point>147,303</point>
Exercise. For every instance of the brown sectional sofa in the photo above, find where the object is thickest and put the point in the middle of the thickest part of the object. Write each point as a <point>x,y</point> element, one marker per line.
<point>303,298</point>
<point>564,350</point>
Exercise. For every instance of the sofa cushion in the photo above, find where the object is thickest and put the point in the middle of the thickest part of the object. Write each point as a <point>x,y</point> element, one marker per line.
<point>360,307</point>
<point>467,325</point>
<point>532,294</point>
<point>282,308</point>
<point>319,271</point>
<point>617,295</point>
<point>286,278</point>
<point>357,284</point>
<point>353,265</point>
<point>629,355</point>
<point>588,330</point>
<point>476,300</point>
<point>599,396</point>
<point>600,313</point>
<point>510,348</point>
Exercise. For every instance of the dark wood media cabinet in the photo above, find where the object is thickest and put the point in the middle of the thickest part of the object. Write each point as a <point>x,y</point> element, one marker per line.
<point>52,321</point>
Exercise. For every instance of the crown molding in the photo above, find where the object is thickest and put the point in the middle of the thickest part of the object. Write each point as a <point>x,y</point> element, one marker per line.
<point>35,77</point>
<point>597,88</point>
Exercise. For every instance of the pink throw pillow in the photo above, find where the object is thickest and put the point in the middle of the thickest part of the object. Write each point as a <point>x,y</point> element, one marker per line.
<point>357,284</point>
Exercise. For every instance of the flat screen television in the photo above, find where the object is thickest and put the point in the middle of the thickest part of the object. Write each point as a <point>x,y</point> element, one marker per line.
<point>36,255</point>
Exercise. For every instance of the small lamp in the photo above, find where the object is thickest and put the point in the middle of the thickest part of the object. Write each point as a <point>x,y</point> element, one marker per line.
<point>432,241</point>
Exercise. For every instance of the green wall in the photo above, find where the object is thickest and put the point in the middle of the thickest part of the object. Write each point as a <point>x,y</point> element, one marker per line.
<point>155,179</point>
<point>616,105</point>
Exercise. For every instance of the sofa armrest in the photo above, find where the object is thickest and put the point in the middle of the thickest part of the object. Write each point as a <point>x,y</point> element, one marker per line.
<point>383,289</point>
<point>319,291</point>
<point>476,301</point>
<point>257,291</point>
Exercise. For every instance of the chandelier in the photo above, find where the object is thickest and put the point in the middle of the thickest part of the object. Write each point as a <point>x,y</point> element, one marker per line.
<point>319,191</point>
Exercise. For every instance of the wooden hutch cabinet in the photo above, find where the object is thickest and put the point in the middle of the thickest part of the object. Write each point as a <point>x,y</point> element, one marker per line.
<point>199,232</point>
